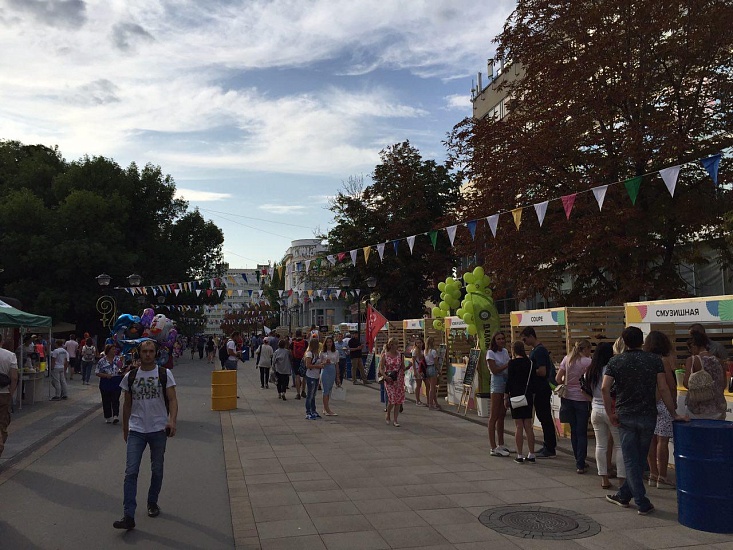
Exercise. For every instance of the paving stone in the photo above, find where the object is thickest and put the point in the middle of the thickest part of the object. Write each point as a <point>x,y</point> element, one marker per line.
<point>410,537</point>
<point>341,524</point>
<point>285,528</point>
<point>361,540</point>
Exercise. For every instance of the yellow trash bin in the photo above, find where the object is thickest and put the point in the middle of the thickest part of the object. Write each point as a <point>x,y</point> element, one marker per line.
<point>223,390</point>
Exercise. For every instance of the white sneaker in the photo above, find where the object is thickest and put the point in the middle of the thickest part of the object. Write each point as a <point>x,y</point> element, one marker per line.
<point>108,421</point>
<point>507,449</point>
<point>502,451</point>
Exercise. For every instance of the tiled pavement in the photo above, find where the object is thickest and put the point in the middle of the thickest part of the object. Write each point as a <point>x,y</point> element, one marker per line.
<point>351,482</point>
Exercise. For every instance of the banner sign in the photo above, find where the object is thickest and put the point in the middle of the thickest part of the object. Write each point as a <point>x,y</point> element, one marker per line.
<point>539,318</point>
<point>688,310</point>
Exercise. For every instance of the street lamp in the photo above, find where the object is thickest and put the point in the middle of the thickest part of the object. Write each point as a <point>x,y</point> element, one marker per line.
<point>161,299</point>
<point>106,304</point>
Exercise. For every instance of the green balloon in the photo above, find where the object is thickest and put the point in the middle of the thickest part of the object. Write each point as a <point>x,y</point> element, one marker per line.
<point>468,318</point>
<point>443,305</point>
<point>441,286</point>
<point>486,280</point>
<point>471,288</point>
<point>449,280</point>
<point>460,312</point>
<point>437,312</point>
<point>438,325</point>
<point>472,330</point>
<point>468,277</point>
<point>478,272</point>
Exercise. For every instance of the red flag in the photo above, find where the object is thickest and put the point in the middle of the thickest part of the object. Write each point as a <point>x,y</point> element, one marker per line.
<point>374,321</point>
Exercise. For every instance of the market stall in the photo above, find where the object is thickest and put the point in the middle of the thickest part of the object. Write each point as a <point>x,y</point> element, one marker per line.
<point>32,377</point>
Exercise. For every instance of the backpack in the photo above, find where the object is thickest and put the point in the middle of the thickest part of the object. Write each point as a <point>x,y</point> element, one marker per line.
<point>223,353</point>
<point>162,376</point>
<point>299,347</point>
<point>700,387</point>
<point>87,354</point>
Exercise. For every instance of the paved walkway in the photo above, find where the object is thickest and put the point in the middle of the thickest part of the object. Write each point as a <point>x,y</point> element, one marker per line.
<point>341,482</point>
<point>353,482</point>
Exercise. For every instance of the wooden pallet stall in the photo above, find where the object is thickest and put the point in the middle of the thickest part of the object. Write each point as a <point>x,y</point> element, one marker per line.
<point>595,324</point>
<point>430,330</point>
<point>674,317</point>
<point>549,324</point>
<point>394,329</point>
<point>412,329</point>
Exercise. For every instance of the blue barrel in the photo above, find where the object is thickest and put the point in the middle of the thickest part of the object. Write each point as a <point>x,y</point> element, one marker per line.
<point>703,457</point>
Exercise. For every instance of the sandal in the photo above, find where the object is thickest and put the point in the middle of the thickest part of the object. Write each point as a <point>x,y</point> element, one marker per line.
<point>652,480</point>
<point>606,486</point>
<point>395,424</point>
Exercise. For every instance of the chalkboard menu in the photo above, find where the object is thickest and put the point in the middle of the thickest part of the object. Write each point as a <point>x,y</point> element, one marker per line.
<point>368,363</point>
<point>473,358</point>
<point>442,351</point>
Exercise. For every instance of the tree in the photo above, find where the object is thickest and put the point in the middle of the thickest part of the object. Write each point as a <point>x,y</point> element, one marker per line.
<point>62,224</point>
<point>408,196</point>
<point>608,91</point>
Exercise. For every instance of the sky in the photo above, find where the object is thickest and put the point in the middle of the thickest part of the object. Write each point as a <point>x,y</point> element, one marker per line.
<point>258,109</point>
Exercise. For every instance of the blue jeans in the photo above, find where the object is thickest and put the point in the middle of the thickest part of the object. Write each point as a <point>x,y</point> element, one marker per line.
<point>136,443</point>
<point>311,385</point>
<point>636,434</point>
<point>86,370</point>
<point>578,413</point>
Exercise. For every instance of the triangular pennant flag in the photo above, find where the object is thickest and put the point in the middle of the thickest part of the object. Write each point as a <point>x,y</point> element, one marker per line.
<point>396,244</point>
<point>493,222</point>
<point>433,238</point>
<point>280,272</point>
<point>198,292</point>
<point>411,242</point>
<point>632,188</point>
<point>451,233</point>
<point>331,259</point>
<point>229,292</point>
<point>307,265</point>
<point>244,276</point>
<point>600,194</point>
<point>209,292</point>
<point>178,290</point>
<point>472,228</point>
<point>357,291</point>
<point>239,292</point>
<point>711,164</point>
<point>319,292</point>
<point>380,250</point>
<point>280,293</point>
<point>353,257</point>
<point>250,293</point>
<point>310,293</point>
<point>669,175</point>
<point>218,291</point>
<point>317,264</point>
<point>341,256</point>
<point>567,204</point>
<point>367,251</point>
<point>517,215</point>
<point>541,209</point>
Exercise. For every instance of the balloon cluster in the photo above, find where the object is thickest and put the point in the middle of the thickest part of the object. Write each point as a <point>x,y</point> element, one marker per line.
<point>129,331</point>
<point>450,298</point>
<point>477,307</point>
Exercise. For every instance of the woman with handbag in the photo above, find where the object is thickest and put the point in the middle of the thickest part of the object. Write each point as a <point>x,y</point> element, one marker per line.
<point>282,368</point>
<point>329,358</point>
<point>518,396</point>
<point>264,362</point>
<point>574,404</point>
<point>392,370</point>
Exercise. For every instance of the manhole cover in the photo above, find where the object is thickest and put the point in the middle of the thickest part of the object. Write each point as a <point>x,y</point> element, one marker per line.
<point>537,522</point>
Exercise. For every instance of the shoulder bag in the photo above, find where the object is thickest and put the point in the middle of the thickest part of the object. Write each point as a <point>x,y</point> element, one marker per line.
<point>520,401</point>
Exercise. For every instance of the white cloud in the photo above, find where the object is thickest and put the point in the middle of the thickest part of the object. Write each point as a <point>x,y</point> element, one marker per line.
<point>459,101</point>
<point>282,208</point>
<point>195,195</point>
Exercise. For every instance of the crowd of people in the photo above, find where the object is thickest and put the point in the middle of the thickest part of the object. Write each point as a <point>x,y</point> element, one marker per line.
<point>628,392</point>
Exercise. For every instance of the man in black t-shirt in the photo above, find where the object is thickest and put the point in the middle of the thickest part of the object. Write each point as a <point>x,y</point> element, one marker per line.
<point>635,375</point>
<point>542,365</point>
<point>356,362</point>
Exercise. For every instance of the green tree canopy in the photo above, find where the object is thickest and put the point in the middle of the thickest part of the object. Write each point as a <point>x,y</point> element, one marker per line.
<point>62,224</point>
<point>408,196</point>
<point>604,92</point>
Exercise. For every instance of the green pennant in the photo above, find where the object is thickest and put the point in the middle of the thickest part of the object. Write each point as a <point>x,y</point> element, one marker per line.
<point>632,188</point>
<point>433,238</point>
<point>317,263</point>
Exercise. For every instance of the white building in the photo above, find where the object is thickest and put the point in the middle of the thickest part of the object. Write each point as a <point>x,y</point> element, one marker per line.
<point>311,296</point>
<point>242,290</point>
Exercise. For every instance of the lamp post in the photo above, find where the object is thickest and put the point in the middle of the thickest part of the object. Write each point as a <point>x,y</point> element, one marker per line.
<point>106,304</point>
<point>345,283</point>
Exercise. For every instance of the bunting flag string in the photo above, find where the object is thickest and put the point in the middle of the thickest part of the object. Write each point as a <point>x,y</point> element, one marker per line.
<point>433,238</point>
<point>472,228</point>
<point>451,230</point>
<point>411,242</point>
<point>380,250</point>
<point>541,209</point>
<point>669,176</point>
<point>517,215</point>
<point>600,194</point>
<point>567,203</point>
<point>493,223</point>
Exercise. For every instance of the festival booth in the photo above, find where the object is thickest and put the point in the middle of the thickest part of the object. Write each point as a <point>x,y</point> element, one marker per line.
<point>32,378</point>
<point>674,317</point>
<point>560,327</point>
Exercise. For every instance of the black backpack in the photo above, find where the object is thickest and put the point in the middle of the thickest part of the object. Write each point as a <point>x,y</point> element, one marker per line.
<point>162,376</point>
<point>223,353</point>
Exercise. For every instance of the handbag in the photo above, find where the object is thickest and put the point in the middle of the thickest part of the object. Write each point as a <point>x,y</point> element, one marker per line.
<point>302,368</point>
<point>585,386</point>
<point>561,390</point>
<point>520,401</point>
<point>273,377</point>
<point>338,393</point>
<point>393,375</point>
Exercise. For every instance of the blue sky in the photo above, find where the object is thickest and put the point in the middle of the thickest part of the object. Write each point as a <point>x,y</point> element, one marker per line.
<point>258,109</point>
